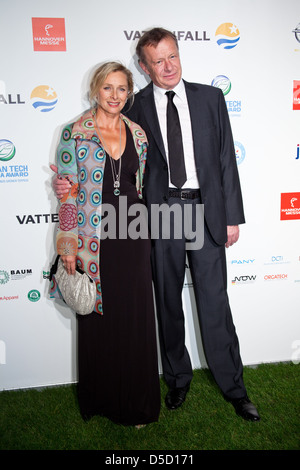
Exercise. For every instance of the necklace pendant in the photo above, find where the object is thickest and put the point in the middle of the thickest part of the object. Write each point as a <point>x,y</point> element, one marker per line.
<point>116,192</point>
<point>116,184</point>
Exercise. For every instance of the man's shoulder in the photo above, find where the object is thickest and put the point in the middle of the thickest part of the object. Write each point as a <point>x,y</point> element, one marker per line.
<point>191,86</point>
<point>144,91</point>
<point>138,105</point>
<point>201,87</point>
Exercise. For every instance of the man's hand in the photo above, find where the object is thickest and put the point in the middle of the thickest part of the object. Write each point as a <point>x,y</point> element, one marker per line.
<point>60,185</point>
<point>233,233</point>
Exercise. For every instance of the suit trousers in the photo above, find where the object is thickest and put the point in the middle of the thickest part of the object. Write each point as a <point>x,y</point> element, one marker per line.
<point>209,276</point>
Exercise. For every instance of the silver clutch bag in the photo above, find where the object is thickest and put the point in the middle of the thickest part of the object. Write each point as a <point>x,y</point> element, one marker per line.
<point>77,290</point>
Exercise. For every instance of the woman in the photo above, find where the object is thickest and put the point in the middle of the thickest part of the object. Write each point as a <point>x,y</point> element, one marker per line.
<point>103,155</point>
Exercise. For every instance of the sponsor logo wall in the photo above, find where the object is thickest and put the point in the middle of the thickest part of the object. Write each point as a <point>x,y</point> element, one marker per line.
<point>50,52</point>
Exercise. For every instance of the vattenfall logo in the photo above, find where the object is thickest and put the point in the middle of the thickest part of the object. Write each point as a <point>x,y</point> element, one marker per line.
<point>182,35</point>
<point>11,98</point>
<point>43,98</point>
<point>37,219</point>
<point>227,36</point>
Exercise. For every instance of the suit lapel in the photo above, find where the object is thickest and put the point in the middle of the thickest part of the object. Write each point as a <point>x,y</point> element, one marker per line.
<point>195,113</point>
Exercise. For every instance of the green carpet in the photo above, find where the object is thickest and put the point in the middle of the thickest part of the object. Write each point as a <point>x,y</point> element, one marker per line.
<point>48,419</point>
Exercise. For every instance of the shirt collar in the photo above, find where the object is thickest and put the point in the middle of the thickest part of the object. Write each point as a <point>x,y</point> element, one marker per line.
<point>179,89</point>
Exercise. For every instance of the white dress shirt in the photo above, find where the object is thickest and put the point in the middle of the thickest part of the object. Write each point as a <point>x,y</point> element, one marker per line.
<point>180,101</point>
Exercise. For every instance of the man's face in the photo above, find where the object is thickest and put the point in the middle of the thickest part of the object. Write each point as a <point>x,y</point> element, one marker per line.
<point>162,64</point>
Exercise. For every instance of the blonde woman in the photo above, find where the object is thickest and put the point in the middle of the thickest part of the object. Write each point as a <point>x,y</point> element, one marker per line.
<point>103,156</point>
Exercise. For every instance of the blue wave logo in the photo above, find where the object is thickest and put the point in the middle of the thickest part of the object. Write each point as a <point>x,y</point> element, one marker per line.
<point>43,98</point>
<point>227,36</point>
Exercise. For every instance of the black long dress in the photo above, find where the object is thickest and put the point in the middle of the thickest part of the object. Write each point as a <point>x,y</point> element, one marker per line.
<point>117,351</point>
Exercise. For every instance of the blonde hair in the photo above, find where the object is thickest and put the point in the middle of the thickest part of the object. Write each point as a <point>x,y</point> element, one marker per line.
<point>100,75</point>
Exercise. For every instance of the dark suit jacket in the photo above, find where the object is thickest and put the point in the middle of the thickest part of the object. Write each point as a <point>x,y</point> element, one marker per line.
<point>214,155</point>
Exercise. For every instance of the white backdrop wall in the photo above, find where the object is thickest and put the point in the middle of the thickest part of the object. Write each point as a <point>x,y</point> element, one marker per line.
<point>41,90</point>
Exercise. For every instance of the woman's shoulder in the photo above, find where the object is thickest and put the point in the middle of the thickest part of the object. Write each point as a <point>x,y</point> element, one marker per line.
<point>82,126</point>
<point>135,129</point>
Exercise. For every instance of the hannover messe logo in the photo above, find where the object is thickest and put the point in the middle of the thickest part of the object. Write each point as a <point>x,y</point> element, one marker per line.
<point>49,34</point>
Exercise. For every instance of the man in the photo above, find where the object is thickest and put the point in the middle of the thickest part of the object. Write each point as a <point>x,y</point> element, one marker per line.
<point>209,176</point>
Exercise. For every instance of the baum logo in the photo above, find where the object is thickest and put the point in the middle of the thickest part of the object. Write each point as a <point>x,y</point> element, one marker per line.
<point>49,34</point>
<point>4,277</point>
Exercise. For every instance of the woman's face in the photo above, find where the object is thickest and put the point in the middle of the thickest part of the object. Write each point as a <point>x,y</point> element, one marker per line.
<point>113,93</point>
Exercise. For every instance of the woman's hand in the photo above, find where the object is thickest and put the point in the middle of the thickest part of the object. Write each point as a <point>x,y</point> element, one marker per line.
<point>60,185</point>
<point>69,263</point>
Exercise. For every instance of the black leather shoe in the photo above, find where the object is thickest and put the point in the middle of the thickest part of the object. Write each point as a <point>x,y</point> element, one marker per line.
<point>245,409</point>
<point>176,396</point>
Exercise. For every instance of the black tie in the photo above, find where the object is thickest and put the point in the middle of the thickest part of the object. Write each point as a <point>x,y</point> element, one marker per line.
<point>176,157</point>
